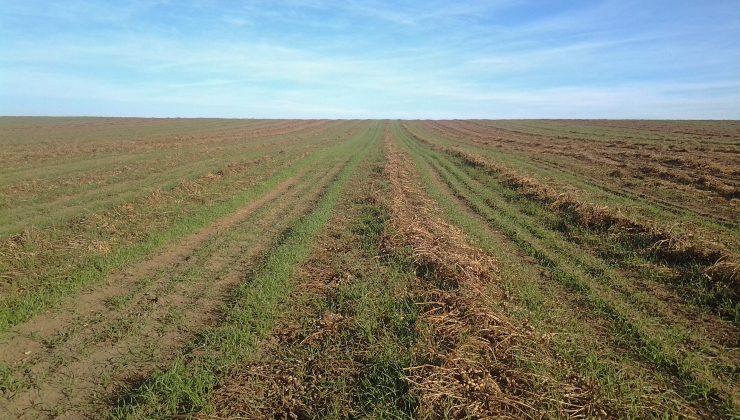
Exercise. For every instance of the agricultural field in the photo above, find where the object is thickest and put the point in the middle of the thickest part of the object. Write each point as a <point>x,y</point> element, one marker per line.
<point>209,268</point>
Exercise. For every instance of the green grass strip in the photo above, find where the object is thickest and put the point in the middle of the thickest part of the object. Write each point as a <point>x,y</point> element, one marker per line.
<point>185,386</point>
<point>647,346</point>
<point>14,311</point>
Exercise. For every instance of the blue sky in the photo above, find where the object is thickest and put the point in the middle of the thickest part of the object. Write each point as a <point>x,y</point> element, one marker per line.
<point>371,59</point>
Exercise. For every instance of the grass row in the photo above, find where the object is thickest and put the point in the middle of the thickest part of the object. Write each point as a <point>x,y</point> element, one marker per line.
<point>526,225</point>
<point>185,386</point>
<point>537,304</point>
<point>355,366</point>
<point>90,189</point>
<point>243,241</point>
<point>87,270</point>
<point>682,267</point>
<point>382,316</point>
<point>589,189</point>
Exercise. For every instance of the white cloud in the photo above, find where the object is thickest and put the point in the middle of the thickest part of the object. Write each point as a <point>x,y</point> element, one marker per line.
<point>435,64</point>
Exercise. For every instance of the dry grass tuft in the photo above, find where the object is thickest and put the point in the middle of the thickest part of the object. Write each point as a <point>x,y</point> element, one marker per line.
<point>475,375</point>
<point>666,244</point>
<point>728,270</point>
<point>480,373</point>
<point>434,244</point>
<point>476,354</point>
<point>90,245</point>
<point>278,383</point>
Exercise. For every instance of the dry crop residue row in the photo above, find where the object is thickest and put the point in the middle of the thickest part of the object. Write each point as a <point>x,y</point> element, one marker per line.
<point>639,302</point>
<point>119,332</point>
<point>368,269</point>
<point>62,245</point>
<point>71,360</point>
<point>479,352</point>
<point>637,193</point>
<point>651,163</point>
<point>721,265</point>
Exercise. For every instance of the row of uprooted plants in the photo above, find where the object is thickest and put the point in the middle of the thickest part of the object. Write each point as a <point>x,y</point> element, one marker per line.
<point>720,266</point>
<point>479,354</point>
<point>672,166</point>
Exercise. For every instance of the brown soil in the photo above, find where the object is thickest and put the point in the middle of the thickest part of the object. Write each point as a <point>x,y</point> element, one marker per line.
<point>283,379</point>
<point>76,355</point>
<point>72,138</point>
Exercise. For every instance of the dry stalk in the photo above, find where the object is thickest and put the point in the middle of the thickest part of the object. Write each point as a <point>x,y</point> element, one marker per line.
<point>476,352</point>
<point>720,265</point>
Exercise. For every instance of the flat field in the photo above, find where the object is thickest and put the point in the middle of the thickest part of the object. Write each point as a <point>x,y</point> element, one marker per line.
<point>208,268</point>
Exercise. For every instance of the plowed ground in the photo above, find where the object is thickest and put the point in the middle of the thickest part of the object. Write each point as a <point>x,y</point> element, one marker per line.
<point>375,269</point>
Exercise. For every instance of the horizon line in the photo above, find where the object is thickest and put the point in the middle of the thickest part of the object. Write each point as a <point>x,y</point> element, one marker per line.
<point>377,119</point>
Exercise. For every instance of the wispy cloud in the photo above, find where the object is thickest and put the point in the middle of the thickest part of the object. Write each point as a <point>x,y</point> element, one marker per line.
<point>316,58</point>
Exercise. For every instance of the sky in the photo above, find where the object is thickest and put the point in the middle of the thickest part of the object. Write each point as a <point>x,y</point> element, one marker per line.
<point>371,59</point>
